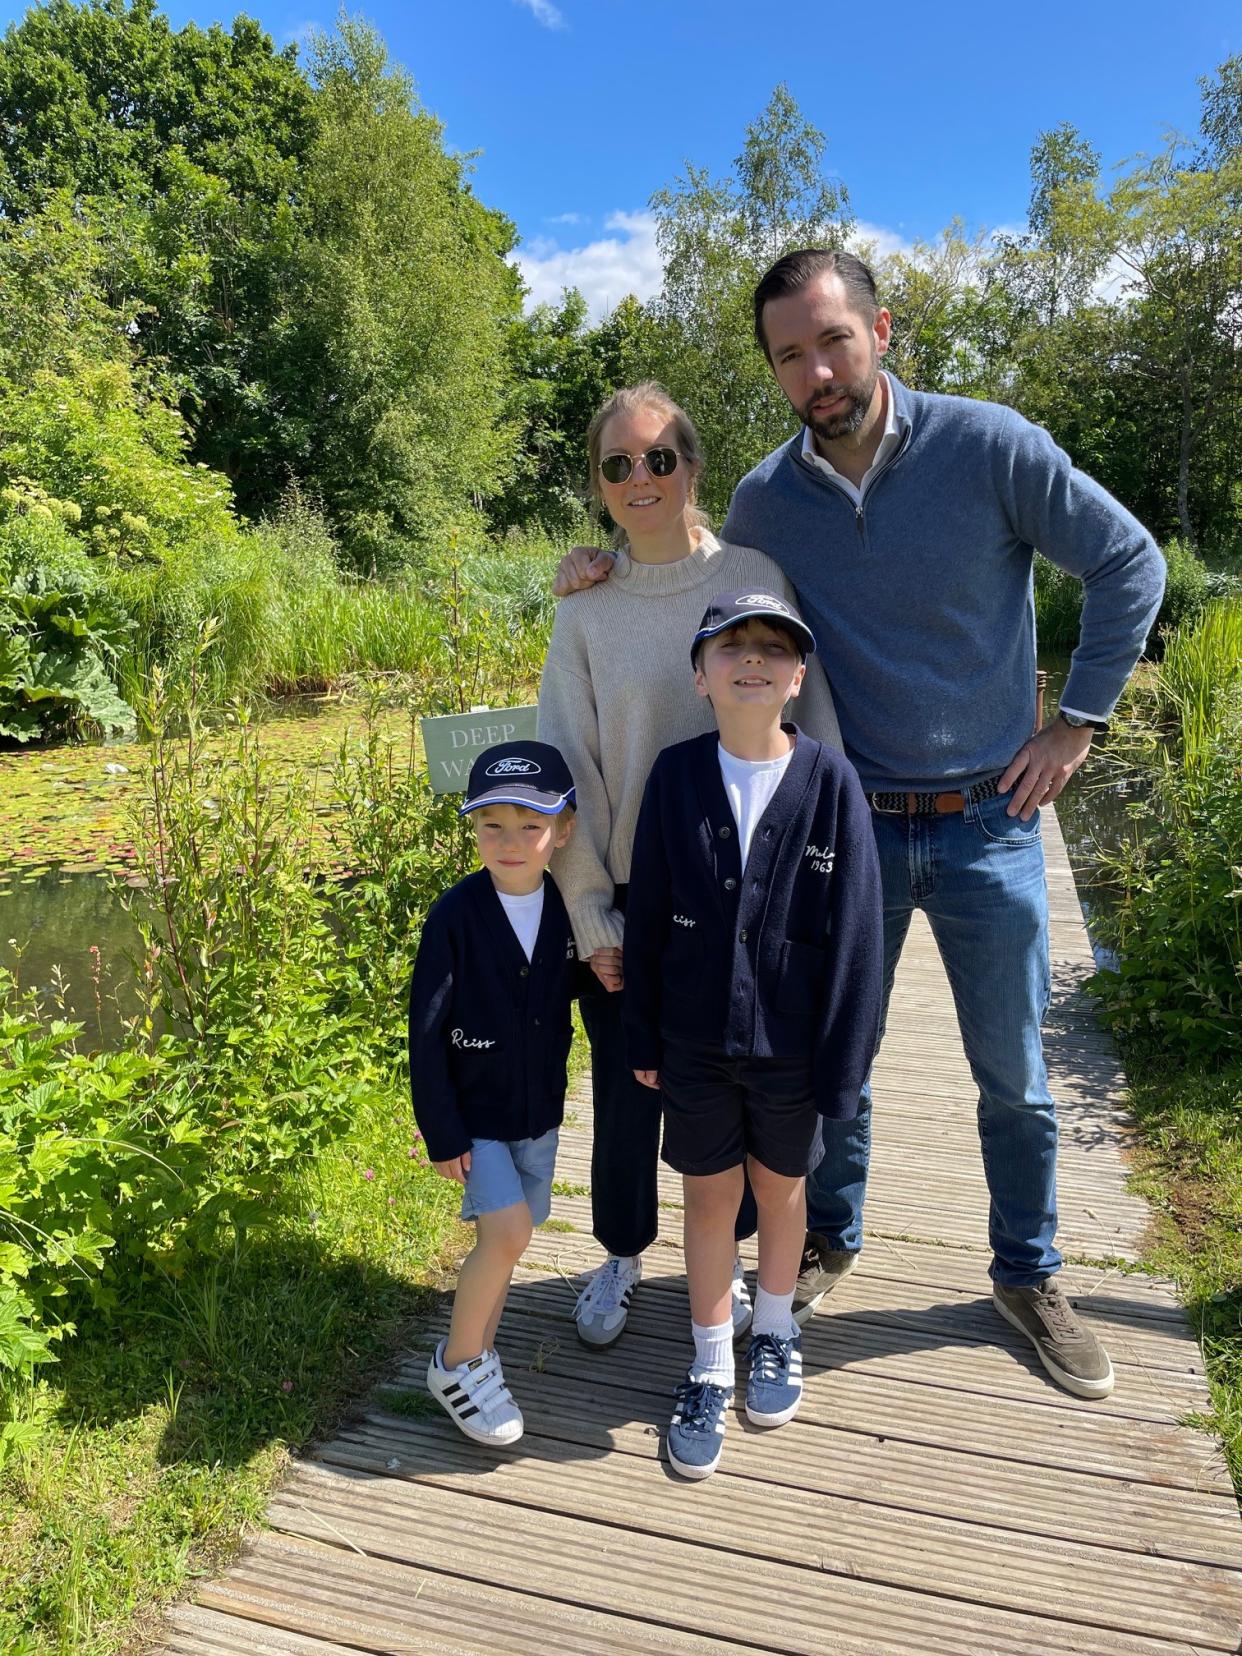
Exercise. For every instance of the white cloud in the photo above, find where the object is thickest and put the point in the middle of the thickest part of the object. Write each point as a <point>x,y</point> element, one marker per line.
<point>882,241</point>
<point>604,271</point>
<point>565,218</point>
<point>544,12</point>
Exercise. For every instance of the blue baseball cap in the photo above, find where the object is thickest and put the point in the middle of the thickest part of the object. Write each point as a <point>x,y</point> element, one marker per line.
<point>728,609</point>
<point>520,773</point>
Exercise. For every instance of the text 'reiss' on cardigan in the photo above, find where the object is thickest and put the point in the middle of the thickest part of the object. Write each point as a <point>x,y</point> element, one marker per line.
<point>489,1031</point>
<point>783,962</point>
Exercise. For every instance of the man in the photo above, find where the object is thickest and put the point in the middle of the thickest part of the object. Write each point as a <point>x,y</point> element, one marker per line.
<point>907,524</point>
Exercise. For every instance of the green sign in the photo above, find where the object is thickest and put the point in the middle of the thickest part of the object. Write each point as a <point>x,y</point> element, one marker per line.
<point>453,743</point>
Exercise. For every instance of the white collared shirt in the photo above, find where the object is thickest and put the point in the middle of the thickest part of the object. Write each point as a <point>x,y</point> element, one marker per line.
<point>888,445</point>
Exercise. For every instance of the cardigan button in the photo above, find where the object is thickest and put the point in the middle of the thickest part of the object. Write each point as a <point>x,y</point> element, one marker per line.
<point>741,937</point>
<point>723,832</point>
<point>524,971</point>
<point>730,884</point>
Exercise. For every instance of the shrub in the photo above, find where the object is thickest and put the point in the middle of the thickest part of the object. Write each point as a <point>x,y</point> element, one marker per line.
<point>1178,925</point>
<point>59,646</point>
<point>1189,587</point>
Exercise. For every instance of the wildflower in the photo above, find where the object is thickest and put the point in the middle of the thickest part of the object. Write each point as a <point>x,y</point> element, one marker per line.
<point>368,1173</point>
<point>392,1201</point>
<point>286,1385</point>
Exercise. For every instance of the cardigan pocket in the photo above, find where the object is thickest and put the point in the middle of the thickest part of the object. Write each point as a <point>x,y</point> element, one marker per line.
<point>801,978</point>
<point>681,962</point>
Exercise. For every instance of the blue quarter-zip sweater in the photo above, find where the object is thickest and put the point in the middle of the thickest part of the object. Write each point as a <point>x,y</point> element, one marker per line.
<point>781,962</point>
<point>921,598</point>
<point>489,1031</point>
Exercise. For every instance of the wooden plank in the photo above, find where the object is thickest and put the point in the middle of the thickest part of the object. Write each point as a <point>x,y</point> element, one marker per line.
<point>809,1611</point>
<point>969,1560</point>
<point>369,1603</point>
<point>197,1631</point>
<point>1144,1518</point>
<point>1073,1439</point>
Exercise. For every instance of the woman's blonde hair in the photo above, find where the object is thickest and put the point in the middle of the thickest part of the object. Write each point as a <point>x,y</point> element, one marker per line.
<point>635,399</point>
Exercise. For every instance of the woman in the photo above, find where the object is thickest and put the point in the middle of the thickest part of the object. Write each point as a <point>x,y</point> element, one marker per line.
<point>617,688</point>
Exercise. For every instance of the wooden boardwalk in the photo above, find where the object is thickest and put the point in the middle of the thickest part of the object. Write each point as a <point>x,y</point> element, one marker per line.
<point>935,1494</point>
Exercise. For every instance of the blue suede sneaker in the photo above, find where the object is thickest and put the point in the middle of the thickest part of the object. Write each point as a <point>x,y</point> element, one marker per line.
<point>696,1435</point>
<point>774,1389</point>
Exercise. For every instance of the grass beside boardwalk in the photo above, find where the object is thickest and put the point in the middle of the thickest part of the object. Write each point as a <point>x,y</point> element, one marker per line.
<point>165,1425</point>
<point>1190,1170</point>
<point>1175,1000</point>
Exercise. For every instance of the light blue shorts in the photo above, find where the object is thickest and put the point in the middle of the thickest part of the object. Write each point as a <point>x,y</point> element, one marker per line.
<point>506,1171</point>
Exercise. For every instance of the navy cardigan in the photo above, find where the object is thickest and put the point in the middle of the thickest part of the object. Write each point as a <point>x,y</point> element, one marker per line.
<point>489,1031</point>
<point>785,962</point>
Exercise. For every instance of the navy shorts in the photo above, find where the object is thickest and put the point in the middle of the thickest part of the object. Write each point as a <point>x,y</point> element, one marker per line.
<point>719,1110</point>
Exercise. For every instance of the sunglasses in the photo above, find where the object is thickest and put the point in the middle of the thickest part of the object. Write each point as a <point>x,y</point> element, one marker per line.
<point>618,468</point>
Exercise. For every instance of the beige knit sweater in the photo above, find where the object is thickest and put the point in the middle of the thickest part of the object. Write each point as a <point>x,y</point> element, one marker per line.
<point>618,687</point>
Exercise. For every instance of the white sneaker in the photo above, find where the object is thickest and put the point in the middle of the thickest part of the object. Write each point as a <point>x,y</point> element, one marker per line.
<point>740,1308</point>
<point>604,1304</point>
<point>475,1397</point>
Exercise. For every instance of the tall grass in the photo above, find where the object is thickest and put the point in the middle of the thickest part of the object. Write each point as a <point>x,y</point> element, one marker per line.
<point>1196,687</point>
<point>289,620</point>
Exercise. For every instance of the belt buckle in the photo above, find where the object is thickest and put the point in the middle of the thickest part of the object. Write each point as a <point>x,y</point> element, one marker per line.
<point>889,810</point>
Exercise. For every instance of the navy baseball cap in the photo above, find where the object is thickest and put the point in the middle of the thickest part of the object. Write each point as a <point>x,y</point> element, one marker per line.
<point>520,773</point>
<point>727,609</point>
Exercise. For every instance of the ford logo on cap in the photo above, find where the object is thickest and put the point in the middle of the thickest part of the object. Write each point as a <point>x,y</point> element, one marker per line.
<point>759,600</point>
<point>513,767</point>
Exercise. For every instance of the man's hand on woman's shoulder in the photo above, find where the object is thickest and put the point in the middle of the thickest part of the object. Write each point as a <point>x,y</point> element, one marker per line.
<point>581,568</point>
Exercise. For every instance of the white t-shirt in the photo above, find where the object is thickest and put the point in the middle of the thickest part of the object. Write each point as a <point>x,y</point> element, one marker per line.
<point>750,784</point>
<point>524,915</point>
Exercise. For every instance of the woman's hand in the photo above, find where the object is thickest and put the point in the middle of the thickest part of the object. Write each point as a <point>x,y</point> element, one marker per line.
<point>581,568</point>
<point>455,1169</point>
<point>649,1078</point>
<point>606,964</point>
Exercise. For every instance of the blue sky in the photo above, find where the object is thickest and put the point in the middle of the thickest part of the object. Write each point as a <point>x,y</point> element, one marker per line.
<point>582,108</point>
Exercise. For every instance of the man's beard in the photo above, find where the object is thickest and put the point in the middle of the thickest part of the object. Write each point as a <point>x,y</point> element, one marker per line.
<point>851,418</point>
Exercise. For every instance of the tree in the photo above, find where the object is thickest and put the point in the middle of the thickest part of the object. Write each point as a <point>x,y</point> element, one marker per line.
<point>1173,224</point>
<point>717,236</point>
<point>397,316</point>
<point>184,148</point>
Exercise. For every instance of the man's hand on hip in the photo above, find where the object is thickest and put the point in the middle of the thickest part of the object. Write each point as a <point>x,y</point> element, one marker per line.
<point>581,568</point>
<point>1042,766</point>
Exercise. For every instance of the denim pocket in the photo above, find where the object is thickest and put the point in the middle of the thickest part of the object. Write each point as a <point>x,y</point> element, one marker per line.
<point>991,818</point>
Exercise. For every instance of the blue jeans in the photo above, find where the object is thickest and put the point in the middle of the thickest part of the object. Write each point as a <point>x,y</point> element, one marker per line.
<point>978,875</point>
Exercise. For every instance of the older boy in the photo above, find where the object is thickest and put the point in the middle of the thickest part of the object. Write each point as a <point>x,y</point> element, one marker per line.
<point>489,1037</point>
<point>752,956</point>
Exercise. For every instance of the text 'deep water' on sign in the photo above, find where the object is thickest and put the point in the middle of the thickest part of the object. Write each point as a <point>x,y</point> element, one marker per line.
<point>453,741</point>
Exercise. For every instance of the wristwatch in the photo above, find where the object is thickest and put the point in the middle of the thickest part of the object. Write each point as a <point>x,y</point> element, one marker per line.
<point>1076,722</point>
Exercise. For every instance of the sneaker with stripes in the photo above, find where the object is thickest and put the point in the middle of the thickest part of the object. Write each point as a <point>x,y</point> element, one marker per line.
<point>696,1435</point>
<point>604,1304</point>
<point>774,1389</point>
<point>475,1397</point>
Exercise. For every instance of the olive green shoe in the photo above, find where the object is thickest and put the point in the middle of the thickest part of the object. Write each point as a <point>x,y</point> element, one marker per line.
<point>821,1269</point>
<point>1064,1345</point>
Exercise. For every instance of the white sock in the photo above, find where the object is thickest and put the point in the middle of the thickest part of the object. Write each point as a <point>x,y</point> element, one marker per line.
<point>773,1314</point>
<point>713,1353</point>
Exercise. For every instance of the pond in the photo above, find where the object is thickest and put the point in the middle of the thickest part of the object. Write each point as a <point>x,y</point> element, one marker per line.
<point>66,851</point>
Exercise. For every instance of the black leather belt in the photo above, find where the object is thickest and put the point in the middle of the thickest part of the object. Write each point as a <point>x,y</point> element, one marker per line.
<point>932,804</point>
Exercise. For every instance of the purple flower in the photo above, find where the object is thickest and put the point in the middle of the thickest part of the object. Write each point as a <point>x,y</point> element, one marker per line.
<point>286,1385</point>
<point>368,1173</point>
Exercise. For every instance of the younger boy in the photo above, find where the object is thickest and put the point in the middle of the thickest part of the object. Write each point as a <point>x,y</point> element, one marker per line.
<point>752,965</point>
<point>489,1037</point>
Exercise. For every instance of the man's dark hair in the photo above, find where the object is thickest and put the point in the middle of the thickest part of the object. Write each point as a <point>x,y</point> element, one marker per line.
<point>792,273</point>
